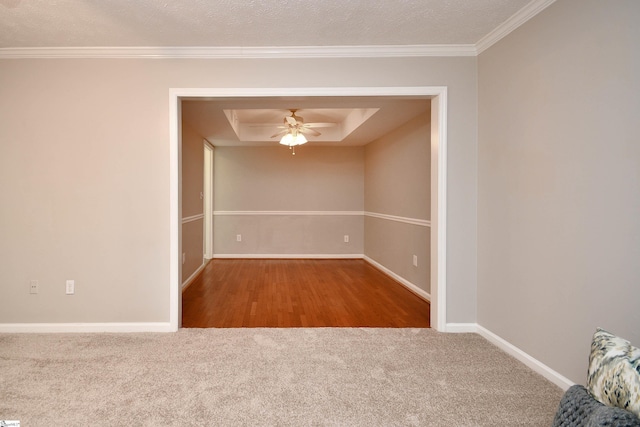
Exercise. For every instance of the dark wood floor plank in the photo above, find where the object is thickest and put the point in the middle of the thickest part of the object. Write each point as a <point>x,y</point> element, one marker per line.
<point>234,293</point>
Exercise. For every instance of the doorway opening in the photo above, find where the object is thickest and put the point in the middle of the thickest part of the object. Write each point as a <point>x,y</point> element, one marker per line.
<point>438,98</point>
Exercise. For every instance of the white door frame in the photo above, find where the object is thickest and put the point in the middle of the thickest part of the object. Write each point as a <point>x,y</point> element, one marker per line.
<point>208,200</point>
<point>438,95</point>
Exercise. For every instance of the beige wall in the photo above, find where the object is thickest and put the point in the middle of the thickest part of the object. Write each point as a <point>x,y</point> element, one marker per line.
<point>272,179</point>
<point>253,180</point>
<point>84,174</point>
<point>398,171</point>
<point>192,248</point>
<point>192,172</point>
<point>192,189</point>
<point>559,182</point>
<point>397,183</point>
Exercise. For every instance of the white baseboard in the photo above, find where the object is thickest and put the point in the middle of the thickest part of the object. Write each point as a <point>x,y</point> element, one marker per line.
<point>537,366</point>
<point>189,280</point>
<point>289,256</point>
<point>531,362</point>
<point>407,284</point>
<point>85,327</point>
<point>461,328</point>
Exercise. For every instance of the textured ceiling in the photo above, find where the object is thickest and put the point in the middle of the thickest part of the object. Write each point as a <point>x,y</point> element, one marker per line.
<point>255,23</point>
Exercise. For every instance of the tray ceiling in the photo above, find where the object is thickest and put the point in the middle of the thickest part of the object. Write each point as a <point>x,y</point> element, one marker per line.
<point>378,116</point>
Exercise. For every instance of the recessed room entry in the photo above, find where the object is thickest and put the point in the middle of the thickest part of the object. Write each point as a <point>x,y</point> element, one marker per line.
<point>344,219</point>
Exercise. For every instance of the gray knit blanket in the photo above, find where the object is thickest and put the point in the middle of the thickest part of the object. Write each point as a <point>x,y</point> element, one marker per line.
<point>579,409</point>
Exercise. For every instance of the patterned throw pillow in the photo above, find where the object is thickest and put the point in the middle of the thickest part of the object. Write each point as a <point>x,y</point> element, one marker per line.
<point>614,371</point>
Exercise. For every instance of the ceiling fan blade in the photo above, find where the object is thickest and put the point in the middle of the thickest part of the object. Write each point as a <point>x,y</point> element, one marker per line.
<point>281,133</point>
<point>270,125</point>
<point>309,130</point>
<point>291,120</point>
<point>320,125</point>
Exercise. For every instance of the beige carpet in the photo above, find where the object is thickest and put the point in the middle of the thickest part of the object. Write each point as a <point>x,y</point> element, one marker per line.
<point>226,377</point>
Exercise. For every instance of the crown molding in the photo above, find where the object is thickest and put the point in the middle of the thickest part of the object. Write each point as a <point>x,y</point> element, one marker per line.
<point>281,52</point>
<point>519,18</point>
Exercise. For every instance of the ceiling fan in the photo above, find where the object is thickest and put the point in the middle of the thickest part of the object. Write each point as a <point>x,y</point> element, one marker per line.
<point>295,125</point>
<point>294,129</point>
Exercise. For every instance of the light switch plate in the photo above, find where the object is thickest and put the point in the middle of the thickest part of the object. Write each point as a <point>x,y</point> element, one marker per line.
<point>71,287</point>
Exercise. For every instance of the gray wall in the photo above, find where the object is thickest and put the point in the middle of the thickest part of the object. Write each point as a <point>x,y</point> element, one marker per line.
<point>398,183</point>
<point>86,191</point>
<point>559,181</point>
<point>252,181</point>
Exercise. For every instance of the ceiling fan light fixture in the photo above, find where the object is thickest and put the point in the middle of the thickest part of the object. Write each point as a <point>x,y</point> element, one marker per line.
<point>291,140</point>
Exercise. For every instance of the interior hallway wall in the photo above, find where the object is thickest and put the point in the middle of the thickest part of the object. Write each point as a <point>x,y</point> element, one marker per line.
<point>398,185</point>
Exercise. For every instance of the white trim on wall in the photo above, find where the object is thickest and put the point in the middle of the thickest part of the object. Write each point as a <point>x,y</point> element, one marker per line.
<point>175,205</point>
<point>288,256</point>
<point>192,218</point>
<point>232,52</point>
<point>406,220</point>
<point>190,279</point>
<point>289,213</point>
<point>438,273</point>
<point>511,24</point>
<point>404,282</point>
<point>207,201</point>
<point>438,95</point>
<point>534,364</point>
<point>282,52</point>
<point>462,328</point>
<point>413,221</point>
<point>23,328</point>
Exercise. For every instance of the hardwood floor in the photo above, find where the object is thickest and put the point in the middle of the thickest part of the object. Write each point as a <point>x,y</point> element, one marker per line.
<point>234,293</point>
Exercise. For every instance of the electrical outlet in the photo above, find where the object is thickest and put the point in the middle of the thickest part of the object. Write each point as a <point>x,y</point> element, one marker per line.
<point>34,287</point>
<point>415,260</point>
<point>71,287</point>
<point>238,237</point>
<point>346,238</point>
